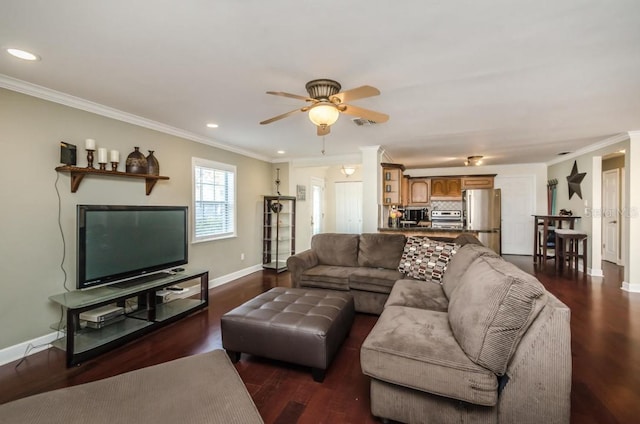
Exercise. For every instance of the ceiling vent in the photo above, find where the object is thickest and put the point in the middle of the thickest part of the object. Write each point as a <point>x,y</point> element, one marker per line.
<point>363,122</point>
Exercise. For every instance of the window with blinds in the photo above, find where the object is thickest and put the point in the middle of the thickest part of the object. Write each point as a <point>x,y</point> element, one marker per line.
<point>214,200</point>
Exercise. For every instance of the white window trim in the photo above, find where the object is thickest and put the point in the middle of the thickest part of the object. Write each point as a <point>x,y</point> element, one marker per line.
<point>224,167</point>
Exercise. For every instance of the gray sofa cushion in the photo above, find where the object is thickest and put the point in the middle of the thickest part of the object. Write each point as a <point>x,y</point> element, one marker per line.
<point>380,250</point>
<point>459,264</point>
<point>418,294</point>
<point>492,308</point>
<point>415,348</point>
<point>374,279</point>
<point>327,277</point>
<point>336,249</point>
<point>467,238</point>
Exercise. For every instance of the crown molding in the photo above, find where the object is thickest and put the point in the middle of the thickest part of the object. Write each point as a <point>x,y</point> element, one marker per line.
<point>591,148</point>
<point>65,99</point>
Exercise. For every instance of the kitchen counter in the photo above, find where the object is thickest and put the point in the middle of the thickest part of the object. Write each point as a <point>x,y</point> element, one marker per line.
<point>427,231</point>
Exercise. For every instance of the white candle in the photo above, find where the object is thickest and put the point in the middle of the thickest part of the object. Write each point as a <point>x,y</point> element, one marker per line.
<point>115,156</point>
<point>90,144</point>
<point>102,155</point>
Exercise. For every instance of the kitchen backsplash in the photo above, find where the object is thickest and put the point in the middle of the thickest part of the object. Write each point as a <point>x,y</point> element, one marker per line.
<point>446,205</point>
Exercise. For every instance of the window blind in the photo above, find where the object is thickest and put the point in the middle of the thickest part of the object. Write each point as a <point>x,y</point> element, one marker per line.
<point>214,200</point>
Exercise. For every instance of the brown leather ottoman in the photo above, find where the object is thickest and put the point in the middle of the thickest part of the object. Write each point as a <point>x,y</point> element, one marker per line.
<point>301,326</point>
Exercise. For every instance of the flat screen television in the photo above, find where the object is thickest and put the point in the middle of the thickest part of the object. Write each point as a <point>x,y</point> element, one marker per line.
<point>117,243</point>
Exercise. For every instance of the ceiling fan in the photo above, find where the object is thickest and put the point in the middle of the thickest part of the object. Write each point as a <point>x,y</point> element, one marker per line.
<point>326,102</point>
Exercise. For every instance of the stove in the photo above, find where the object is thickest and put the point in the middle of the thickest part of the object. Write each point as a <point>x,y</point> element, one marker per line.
<point>451,219</point>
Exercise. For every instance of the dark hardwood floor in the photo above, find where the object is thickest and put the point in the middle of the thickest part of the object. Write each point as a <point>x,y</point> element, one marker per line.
<point>605,325</point>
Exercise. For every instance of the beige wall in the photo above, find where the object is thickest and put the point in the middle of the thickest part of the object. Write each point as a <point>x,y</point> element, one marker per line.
<point>31,248</point>
<point>613,163</point>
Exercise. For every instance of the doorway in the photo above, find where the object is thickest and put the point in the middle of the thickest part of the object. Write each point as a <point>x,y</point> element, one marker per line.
<point>610,221</point>
<point>518,208</point>
<point>349,207</point>
<point>317,205</point>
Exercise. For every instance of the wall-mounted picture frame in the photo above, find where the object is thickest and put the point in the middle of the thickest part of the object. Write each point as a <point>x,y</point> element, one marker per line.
<point>301,192</point>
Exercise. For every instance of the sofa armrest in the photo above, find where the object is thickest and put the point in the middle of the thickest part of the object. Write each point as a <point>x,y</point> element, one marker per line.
<point>300,262</point>
<point>539,385</point>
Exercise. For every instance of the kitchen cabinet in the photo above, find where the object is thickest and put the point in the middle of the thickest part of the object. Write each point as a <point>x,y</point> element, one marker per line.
<point>405,190</point>
<point>392,179</point>
<point>480,181</point>
<point>446,188</point>
<point>419,193</point>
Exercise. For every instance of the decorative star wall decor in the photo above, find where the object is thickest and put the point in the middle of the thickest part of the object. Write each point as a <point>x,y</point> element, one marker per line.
<point>574,181</point>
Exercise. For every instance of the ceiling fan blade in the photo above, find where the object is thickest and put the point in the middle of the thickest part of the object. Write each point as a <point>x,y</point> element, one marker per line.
<point>284,115</point>
<point>371,115</point>
<point>292,96</point>
<point>357,93</point>
<point>323,130</point>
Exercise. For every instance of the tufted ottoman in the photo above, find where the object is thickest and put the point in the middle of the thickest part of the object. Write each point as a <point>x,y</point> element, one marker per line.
<point>301,326</point>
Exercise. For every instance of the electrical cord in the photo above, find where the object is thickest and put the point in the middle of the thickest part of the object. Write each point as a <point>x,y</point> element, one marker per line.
<point>64,243</point>
<point>60,325</point>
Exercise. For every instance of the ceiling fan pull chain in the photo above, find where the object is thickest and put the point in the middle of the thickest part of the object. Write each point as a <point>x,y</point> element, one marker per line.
<point>322,145</point>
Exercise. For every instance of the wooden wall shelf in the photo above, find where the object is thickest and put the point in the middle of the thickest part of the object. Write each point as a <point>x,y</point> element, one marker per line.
<point>77,174</point>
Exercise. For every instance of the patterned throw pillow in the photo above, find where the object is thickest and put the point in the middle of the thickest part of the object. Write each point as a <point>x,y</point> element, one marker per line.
<point>426,259</point>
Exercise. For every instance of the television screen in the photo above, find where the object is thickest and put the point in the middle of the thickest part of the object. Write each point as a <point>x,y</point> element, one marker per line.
<point>122,242</point>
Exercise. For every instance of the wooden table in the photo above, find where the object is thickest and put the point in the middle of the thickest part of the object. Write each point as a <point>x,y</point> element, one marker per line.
<point>546,221</point>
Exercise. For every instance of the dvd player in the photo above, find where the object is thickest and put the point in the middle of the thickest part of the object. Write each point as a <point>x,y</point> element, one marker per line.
<point>102,314</point>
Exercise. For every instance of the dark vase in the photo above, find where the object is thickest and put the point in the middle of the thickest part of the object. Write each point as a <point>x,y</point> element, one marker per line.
<point>153,166</point>
<point>277,207</point>
<point>136,162</point>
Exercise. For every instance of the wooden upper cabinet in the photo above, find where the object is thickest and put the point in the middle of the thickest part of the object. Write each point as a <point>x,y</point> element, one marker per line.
<point>446,188</point>
<point>392,180</point>
<point>454,187</point>
<point>482,181</point>
<point>404,190</point>
<point>419,191</point>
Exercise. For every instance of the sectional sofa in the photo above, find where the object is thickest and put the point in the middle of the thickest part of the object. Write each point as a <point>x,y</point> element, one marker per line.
<point>484,343</point>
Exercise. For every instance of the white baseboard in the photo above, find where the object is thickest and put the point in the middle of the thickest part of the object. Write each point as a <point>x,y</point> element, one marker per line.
<point>595,272</point>
<point>15,352</point>
<point>630,287</point>
<point>234,275</point>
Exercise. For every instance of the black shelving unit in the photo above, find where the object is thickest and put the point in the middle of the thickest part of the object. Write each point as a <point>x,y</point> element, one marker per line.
<point>278,231</point>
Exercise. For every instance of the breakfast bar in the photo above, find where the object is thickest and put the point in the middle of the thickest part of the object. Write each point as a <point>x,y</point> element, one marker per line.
<point>448,233</point>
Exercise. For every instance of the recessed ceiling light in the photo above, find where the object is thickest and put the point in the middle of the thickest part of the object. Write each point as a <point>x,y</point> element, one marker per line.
<point>212,125</point>
<point>23,54</point>
<point>281,152</point>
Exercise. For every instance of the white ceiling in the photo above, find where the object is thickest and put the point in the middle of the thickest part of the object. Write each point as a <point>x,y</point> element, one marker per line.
<point>515,81</point>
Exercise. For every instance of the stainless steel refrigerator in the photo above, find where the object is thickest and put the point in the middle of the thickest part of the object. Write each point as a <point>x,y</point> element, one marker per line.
<point>481,213</point>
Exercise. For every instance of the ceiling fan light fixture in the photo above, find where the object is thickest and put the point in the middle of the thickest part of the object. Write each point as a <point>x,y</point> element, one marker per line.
<point>473,161</point>
<point>324,113</point>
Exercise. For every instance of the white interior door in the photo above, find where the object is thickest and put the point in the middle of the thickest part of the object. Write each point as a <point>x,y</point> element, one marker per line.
<point>349,207</point>
<point>610,218</point>
<point>518,206</point>
<point>317,205</point>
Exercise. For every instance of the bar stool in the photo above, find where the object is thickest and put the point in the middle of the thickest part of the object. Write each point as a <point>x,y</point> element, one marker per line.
<point>545,244</point>
<point>567,248</point>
